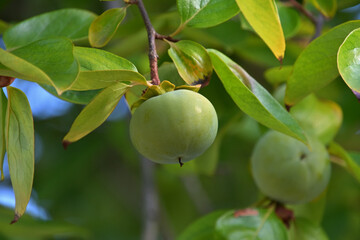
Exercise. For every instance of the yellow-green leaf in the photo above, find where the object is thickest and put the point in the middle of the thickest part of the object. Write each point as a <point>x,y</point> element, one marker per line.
<point>3,107</point>
<point>103,28</point>
<point>192,62</point>
<point>19,134</point>
<point>100,69</point>
<point>48,61</point>
<point>264,19</point>
<point>95,113</point>
<point>252,98</point>
<point>326,7</point>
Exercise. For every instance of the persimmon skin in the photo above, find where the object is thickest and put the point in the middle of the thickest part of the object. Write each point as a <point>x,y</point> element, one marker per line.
<point>174,127</point>
<point>288,171</point>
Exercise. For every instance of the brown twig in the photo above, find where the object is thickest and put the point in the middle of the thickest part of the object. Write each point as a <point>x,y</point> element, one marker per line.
<point>152,35</point>
<point>317,21</point>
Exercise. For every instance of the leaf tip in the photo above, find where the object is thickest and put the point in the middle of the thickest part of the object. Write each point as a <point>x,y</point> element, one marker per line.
<point>16,218</point>
<point>288,107</point>
<point>357,94</point>
<point>65,144</point>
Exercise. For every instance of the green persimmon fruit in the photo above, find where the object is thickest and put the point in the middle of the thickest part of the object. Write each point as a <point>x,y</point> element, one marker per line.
<point>174,127</point>
<point>287,170</point>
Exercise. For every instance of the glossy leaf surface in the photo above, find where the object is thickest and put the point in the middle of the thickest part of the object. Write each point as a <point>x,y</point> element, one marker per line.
<point>264,19</point>
<point>20,148</point>
<point>103,28</point>
<point>192,62</point>
<point>206,13</point>
<point>70,23</point>
<point>100,69</point>
<point>255,224</point>
<point>96,112</point>
<point>3,107</point>
<point>349,62</point>
<point>316,66</point>
<point>252,98</point>
<point>49,61</point>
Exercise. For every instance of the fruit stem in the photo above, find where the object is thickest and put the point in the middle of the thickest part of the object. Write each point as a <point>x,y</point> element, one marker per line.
<point>152,35</point>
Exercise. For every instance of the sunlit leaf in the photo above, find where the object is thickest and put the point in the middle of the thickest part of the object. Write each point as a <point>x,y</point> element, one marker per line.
<point>100,69</point>
<point>3,107</point>
<point>252,98</point>
<point>316,66</point>
<point>254,223</point>
<point>70,23</point>
<point>192,62</point>
<point>264,19</point>
<point>78,97</point>
<point>103,28</point>
<point>48,61</point>
<point>349,62</point>
<point>326,7</point>
<point>303,229</point>
<point>348,162</point>
<point>202,229</point>
<point>20,148</point>
<point>205,13</point>
<point>321,118</point>
<point>96,112</point>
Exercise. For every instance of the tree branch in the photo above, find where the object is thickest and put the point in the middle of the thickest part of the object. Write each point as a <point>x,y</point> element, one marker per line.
<point>318,22</point>
<point>152,35</point>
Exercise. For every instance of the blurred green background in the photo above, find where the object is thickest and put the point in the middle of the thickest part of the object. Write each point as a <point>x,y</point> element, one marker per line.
<point>93,190</point>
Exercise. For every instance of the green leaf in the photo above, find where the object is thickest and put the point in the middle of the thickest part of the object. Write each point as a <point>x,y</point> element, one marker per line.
<point>254,224</point>
<point>347,3</point>
<point>100,69</point>
<point>168,71</point>
<point>192,62</point>
<point>252,98</point>
<point>268,26</point>
<point>303,229</point>
<point>48,61</point>
<point>348,162</point>
<point>3,107</point>
<point>275,76</point>
<point>326,7</point>
<point>20,148</point>
<point>96,112</point>
<point>205,13</point>
<point>290,20</point>
<point>70,23</point>
<point>103,28</point>
<point>78,97</point>
<point>316,66</point>
<point>348,60</point>
<point>203,228</point>
<point>321,118</point>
